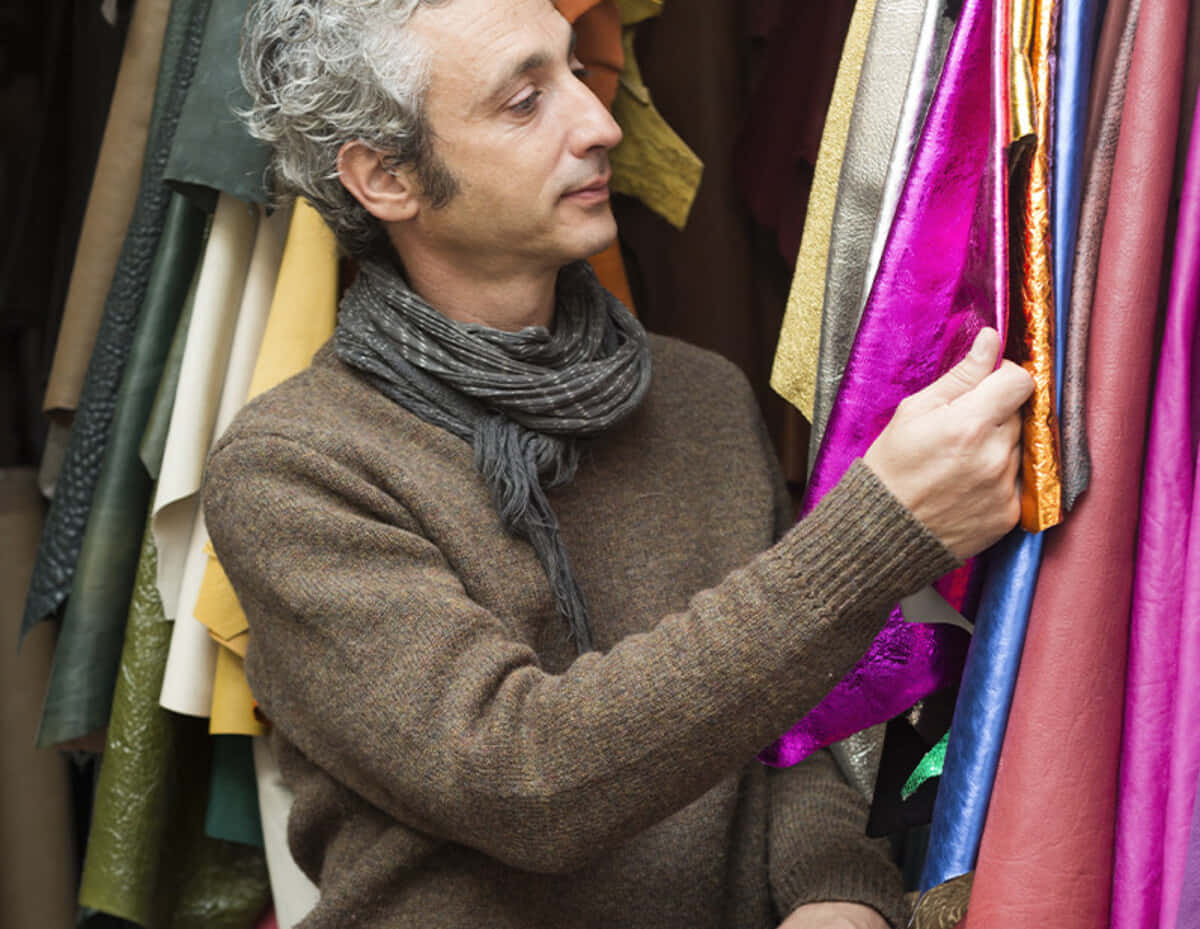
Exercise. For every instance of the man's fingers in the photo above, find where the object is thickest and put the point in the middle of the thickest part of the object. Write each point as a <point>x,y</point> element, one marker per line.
<point>999,395</point>
<point>964,376</point>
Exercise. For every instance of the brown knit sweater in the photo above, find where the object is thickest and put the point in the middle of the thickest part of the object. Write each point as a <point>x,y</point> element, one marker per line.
<point>454,763</point>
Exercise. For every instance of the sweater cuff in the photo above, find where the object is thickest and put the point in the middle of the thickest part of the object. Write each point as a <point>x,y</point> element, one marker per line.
<point>847,876</point>
<point>882,552</point>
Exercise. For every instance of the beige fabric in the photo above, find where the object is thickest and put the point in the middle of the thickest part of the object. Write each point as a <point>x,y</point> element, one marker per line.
<point>794,375</point>
<point>110,203</point>
<point>294,894</point>
<point>37,879</point>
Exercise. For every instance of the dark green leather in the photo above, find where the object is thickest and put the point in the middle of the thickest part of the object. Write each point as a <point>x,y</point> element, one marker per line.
<point>154,439</point>
<point>62,537</point>
<point>79,695</point>
<point>212,150</point>
<point>233,792</point>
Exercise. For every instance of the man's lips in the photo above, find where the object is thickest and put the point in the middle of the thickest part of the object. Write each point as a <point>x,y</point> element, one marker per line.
<point>596,189</point>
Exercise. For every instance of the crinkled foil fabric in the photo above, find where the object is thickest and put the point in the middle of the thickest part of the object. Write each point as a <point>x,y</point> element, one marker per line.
<point>1160,753</point>
<point>935,290</point>
<point>1033,341</point>
<point>1047,851</point>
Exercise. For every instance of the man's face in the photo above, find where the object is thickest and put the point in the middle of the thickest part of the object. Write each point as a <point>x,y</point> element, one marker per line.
<point>525,139</point>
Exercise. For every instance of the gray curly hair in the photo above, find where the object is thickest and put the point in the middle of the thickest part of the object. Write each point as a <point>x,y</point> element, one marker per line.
<point>321,73</point>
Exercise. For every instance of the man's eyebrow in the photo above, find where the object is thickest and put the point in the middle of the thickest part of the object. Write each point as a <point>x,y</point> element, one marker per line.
<point>532,62</point>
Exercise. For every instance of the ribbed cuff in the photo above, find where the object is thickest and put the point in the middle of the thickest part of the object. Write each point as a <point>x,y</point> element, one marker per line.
<point>844,874</point>
<point>879,552</point>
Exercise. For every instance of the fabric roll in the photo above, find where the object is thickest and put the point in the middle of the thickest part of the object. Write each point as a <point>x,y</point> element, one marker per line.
<point>295,895</point>
<point>212,151</point>
<point>1033,345</point>
<point>937,26</point>
<point>1058,767</point>
<point>795,372</point>
<point>1104,125</point>
<point>37,879</point>
<point>219,285</point>
<point>1160,764</point>
<point>302,314</point>
<point>79,695</point>
<point>1077,27</point>
<point>936,288</point>
<point>110,203</point>
<point>62,537</point>
<point>887,62</point>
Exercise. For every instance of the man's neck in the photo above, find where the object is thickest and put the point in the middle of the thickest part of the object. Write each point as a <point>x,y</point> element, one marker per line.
<point>469,293</point>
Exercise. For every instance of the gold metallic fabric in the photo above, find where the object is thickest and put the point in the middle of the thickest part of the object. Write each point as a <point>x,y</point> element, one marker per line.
<point>1041,491</point>
<point>794,375</point>
<point>944,906</point>
<point>1023,87</point>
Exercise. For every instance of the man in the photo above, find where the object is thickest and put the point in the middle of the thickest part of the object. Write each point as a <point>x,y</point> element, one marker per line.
<point>516,613</point>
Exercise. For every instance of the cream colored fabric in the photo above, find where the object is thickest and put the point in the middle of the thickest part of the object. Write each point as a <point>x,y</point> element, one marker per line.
<point>219,286</point>
<point>192,660</point>
<point>794,373</point>
<point>294,893</point>
<point>110,203</point>
<point>300,318</point>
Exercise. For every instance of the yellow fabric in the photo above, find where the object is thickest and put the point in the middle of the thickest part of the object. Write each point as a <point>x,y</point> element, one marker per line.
<point>652,163</point>
<point>302,317</point>
<point>794,374</point>
<point>634,11</point>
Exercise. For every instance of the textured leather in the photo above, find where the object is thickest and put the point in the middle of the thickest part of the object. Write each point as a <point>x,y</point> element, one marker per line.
<point>794,373</point>
<point>1111,77</point>
<point>62,537</point>
<point>1032,333</point>
<point>79,695</point>
<point>1160,753</point>
<point>110,203</point>
<point>1058,767</point>
<point>211,150</point>
<point>37,879</point>
<point>944,906</point>
<point>147,859</point>
<point>891,47</point>
<point>939,283</point>
<point>1077,27</point>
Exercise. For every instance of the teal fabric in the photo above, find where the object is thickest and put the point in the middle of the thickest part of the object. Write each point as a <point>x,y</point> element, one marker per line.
<point>212,150</point>
<point>82,677</point>
<point>233,792</point>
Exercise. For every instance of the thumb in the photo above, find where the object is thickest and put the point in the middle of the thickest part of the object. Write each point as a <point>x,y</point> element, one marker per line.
<point>964,376</point>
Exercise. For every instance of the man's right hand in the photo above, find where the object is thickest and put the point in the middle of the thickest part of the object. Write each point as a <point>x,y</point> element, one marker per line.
<point>952,452</point>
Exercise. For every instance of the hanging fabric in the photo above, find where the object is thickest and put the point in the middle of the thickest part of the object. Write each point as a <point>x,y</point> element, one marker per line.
<point>1058,769</point>
<point>938,285</point>
<point>1160,756</point>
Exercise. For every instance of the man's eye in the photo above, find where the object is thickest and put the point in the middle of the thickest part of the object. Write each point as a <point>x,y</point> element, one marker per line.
<point>526,104</point>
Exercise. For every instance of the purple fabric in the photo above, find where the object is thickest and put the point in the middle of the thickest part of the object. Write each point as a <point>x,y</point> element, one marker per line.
<point>938,284</point>
<point>1160,750</point>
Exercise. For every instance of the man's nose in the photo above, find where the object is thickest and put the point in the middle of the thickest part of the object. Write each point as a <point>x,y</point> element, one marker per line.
<point>593,125</point>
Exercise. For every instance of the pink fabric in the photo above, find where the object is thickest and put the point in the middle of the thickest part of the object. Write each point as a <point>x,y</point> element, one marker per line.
<point>267,920</point>
<point>938,284</point>
<point>1046,857</point>
<point>1160,747</point>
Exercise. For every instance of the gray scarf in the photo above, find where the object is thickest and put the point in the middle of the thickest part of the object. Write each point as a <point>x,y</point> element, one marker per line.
<point>522,399</point>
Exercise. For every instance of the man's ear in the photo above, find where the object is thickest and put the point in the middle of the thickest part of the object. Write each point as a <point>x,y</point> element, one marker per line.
<point>388,195</point>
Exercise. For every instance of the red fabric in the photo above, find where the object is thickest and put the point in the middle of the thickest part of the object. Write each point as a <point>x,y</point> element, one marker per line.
<point>1047,850</point>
